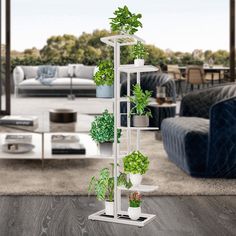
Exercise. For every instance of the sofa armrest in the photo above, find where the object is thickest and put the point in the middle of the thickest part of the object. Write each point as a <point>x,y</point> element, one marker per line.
<point>18,75</point>
<point>199,103</point>
<point>222,139</point>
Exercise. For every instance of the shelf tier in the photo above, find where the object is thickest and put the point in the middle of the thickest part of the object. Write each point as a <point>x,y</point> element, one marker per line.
<point>139,128</point>
<point>122,40</point>
<point>140,188</point>
<point>123,218</point>
<point>131,68</point>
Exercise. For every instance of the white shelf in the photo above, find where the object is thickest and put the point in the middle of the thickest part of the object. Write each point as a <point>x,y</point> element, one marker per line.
<point>138,128</point>
<point>122,40</point>
<point>140,188</point>
<point>137,69</point>
<point>123,218</point>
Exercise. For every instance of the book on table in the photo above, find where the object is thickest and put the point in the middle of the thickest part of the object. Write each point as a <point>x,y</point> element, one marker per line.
<point>19,120</point>
<point>67,144</point>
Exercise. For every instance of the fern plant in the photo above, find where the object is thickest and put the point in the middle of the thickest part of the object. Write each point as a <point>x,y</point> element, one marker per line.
<point>140,101</point>
<point>103,186</point>
<point>125,21</point>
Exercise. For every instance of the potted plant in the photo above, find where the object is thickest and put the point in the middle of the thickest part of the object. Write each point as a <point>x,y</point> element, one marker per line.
<point>125,21</point>
<point>139,53</point>
<point>136,164</point>
<point>104,187</point>
<point>134,210</point>
<point>104,79</point>
<point>139,111</point>
<point>102,131</point>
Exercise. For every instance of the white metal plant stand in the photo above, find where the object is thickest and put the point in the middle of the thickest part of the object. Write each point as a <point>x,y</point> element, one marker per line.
<point>120,216</point>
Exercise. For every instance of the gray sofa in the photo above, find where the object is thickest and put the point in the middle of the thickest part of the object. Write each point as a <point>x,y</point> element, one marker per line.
<point>26,84</point>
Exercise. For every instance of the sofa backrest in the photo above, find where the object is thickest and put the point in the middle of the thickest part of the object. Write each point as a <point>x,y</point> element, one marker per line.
<point>85,72</point>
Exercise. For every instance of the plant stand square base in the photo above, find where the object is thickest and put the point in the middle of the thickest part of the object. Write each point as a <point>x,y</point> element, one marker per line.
<point>122,218</point>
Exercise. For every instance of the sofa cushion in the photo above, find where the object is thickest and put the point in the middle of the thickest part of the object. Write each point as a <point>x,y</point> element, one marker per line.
<point>85,72</point>
<point>186,142</point>
<point>30,71</point>
<point>62,72</point>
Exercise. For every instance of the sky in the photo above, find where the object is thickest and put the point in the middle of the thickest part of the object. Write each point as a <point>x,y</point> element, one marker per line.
<point>179,25</point>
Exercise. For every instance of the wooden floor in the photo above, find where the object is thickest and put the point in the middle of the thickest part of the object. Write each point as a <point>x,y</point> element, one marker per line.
<point>67,216</point>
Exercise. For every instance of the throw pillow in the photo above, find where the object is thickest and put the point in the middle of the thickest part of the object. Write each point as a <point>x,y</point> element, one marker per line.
<point>62,72</point>
<point>84,72</point>
<point>30,71</point>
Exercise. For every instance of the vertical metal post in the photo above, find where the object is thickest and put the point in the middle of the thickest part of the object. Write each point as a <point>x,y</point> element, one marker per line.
<point>116,74</point>
<point>232,41</point>
<point>138,130</point>
<point>1,55</point>
<point>128,117</point>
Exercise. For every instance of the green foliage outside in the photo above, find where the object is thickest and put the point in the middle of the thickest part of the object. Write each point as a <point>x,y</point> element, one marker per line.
<point>136,163</point>
<point>139,51</point>
<point>89,50</point>
<point>103,186</point>
<point>140,101</point>
<point>105,74</point>
<point>125,21</point>
<point>102,128</point>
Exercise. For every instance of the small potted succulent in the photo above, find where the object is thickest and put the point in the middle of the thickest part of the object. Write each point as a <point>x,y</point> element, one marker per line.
<point>125,21</point>
<point>134,210</point>
<point>104,79</point>
<point>136,164</point>
<point>139,111</point>
<point>139,52</point>
<point>103,186</point>
<point>102,131</point>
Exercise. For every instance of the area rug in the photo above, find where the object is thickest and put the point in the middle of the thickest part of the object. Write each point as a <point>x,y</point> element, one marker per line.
<point>71,177</point>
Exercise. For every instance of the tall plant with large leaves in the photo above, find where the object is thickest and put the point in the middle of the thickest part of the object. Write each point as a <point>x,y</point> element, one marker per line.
<point>125,21</point>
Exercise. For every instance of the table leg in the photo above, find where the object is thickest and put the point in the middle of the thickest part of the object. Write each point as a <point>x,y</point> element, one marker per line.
<point>212,79</point>
<point>42,151</point>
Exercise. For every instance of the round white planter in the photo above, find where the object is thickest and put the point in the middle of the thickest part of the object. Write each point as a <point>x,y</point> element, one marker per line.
<point>109,208</point>
<point>134,213</point>
<point>140,121</point>
<point>139,62</point>
<point>135,179</point>
<point>106,149</point>
<point>105,91</point>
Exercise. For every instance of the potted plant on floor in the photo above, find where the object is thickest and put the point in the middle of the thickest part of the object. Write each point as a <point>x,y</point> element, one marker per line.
<point>136,164</point>
<point>140,112</point>
<point>104,187</point>
<point>104,79</point>
<point>102,131</point>
<point>125,21</point>
<point>134,210</point>
<point>139,52</point>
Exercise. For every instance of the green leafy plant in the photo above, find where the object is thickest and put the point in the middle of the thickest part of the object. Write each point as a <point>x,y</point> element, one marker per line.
<point>140,100</point>
<point>125,21</point>
<point>103,186</point>
<point>102,128</point>
<point>105,74</point>
<point>135,199</point>
<point>139,51</point>
<point>136,163</point>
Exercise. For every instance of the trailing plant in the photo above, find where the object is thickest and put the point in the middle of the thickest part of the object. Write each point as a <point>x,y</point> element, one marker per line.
<point>136,163</point>
<point>125,21</point>
<point>105,74</point>
<point>140,101</point>
<point>104,184</point>
<point>139,51</point>
<point>102,128</point>
<point>135,199</point>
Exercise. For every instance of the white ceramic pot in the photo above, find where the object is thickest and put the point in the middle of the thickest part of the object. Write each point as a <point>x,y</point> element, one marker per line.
<point>134,213</point>
<point>109,208</point>
<point>106,149</point>
<point>139,62</point>
<point>140,121</point>
<point>135,179</point>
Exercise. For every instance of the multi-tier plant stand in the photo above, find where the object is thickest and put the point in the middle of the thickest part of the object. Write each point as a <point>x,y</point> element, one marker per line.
<point>122,216</point>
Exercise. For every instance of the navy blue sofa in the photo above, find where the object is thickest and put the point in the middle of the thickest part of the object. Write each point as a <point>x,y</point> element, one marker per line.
<point>149,81</point>
<point>202,141</point>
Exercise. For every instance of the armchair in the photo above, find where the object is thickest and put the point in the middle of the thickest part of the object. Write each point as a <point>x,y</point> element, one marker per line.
<point>202,141</point>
